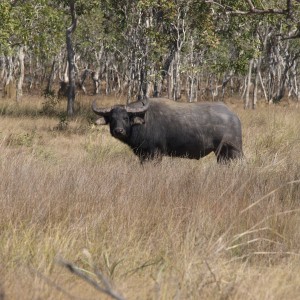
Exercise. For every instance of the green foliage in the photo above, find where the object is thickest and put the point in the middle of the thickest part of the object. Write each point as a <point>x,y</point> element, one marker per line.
<point>35,24</point>
<point>63,122</point>
<point>89,35</point>
<point>7,25</point>
<point>50,104</point>
<point>22,139</point>
<point>81,7</point>
<point>202,23</point>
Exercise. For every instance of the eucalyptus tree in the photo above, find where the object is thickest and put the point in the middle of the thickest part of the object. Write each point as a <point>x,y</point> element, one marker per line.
<point>273,27</point>
<point>71,58</point>
<point>129,45</point>
<point>89,42</point>
<point>77,10</point>
<point>28,28</point>
<point>150,40</point>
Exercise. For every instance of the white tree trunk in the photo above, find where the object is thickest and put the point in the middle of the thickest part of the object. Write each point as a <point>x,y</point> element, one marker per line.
<point>21,56</point>
<point>247,97</point>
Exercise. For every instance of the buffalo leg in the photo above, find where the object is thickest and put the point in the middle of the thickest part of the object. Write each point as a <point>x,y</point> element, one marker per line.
<point>227,153</point>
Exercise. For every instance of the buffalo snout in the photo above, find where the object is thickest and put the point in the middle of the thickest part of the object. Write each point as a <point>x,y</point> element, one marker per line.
<point>119,132</point>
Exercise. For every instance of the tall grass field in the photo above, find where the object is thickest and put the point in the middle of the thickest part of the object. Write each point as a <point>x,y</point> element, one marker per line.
<point>81,218</point>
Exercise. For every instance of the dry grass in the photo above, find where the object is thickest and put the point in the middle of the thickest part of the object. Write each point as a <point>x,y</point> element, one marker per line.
<point>179,229</point>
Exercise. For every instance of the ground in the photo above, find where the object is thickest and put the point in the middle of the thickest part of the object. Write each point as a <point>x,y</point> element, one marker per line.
<point>183,229</point>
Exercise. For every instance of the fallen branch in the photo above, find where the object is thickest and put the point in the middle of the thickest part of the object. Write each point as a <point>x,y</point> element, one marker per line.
<point>106,288</point>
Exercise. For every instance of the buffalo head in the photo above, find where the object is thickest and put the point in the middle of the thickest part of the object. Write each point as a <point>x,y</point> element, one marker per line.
<point>121,118</point>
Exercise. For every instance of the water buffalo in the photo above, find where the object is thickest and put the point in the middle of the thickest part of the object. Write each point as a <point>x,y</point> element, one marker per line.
<point>155,127</point>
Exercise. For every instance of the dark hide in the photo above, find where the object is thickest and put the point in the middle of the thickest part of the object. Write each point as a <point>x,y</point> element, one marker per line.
<point>191,130</point>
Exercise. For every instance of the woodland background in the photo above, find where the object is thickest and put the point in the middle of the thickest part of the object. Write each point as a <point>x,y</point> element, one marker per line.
<point>191,50</point>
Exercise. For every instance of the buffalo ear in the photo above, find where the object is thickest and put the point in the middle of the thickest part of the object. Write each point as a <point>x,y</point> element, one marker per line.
<point>101,121</point>
<point>137,121</point>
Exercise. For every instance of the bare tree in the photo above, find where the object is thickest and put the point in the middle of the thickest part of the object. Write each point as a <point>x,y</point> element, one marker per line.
<point>71,59</point>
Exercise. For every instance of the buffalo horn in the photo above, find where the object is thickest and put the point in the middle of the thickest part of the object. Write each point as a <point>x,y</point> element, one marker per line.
<point>138,110</point>
<point>104,112</point>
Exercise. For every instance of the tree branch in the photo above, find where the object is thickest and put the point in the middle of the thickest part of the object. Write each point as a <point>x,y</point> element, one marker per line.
<point>253,10</point>
<point>251,5</point>
<point>107,289</point>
